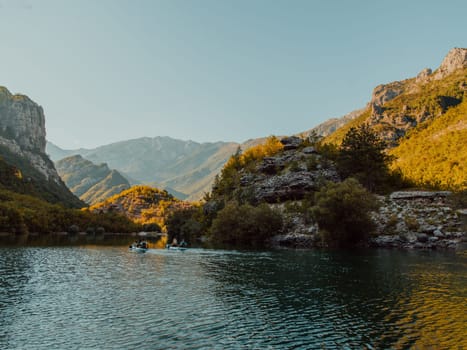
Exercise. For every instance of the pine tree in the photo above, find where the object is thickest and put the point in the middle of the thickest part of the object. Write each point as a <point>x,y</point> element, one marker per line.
<point>362,155</point>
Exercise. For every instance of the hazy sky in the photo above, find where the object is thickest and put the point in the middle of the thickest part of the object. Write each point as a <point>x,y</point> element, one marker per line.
<point>112,70</point>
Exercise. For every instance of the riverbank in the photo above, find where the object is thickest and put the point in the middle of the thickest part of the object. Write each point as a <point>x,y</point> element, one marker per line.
<point>406,220</point>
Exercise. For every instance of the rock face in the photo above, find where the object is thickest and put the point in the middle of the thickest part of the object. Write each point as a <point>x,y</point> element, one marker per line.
<point>418,220</point>
<point>393,121</point>
<point>22,131</point>
<point>454,60</point>
<point>292,142</point>
<point>289,175</point>
<point>23,121</point>
<point>22,144</point>
<point>386,92</point>
<point>423,76</point>
<point>396,108</point>
<point>405,220</point>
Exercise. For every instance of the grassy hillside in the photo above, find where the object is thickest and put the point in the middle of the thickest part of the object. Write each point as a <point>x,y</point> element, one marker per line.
<point>435,153</point>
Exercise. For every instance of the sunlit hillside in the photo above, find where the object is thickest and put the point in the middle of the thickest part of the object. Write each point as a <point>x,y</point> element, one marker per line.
<point>142,204</point>
<point>425,127</point>
<point>435,153</point>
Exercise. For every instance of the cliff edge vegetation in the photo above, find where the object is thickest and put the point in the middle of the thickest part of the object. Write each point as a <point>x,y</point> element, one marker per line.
<point>423,120</point>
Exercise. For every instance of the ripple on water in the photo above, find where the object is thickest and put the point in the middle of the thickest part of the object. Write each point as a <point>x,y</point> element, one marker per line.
<point>106,298</point>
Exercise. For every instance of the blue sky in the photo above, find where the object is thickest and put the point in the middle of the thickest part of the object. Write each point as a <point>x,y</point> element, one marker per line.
<point>111,70</point>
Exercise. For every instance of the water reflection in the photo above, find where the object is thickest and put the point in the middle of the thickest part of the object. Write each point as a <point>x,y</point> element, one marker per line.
<point>12,285</point>
<point>379,299</point>
<point>97,297</point>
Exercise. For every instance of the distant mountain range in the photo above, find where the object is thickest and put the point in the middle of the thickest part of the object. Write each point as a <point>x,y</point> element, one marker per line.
<point>187,169</point>
<point>331,125</point>
<point>90,182</point>
<point>184,168</point>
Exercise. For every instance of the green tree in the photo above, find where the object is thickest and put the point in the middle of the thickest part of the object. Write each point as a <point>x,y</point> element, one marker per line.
<point>362,156</point>
<point>245,225</point>
<point>342,212</point>
<point>185,224</point>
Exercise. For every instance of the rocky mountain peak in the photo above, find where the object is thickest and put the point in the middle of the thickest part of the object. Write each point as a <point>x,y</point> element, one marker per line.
<point>454,60</point>
<point>22,120</point>
<point>22,131</point>
<point>22,145</point>
<point>386,92</point>
<point>423,76</point>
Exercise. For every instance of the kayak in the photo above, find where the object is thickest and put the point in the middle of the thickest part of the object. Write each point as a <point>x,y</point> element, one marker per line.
<point>169,247</point>
<point>138,249</point>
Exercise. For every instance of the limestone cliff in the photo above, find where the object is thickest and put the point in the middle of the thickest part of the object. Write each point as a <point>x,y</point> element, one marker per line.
<point>22,120</point>
<point>22,144</point>
<point>456,59</point>
<point>396,108</point>
<point>418,99</point>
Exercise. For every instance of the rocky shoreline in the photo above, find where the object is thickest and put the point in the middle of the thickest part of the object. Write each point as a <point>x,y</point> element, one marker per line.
<point>405,220</point>
<point>420,220</point>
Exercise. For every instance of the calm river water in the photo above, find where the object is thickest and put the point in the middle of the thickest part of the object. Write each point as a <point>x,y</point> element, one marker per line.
<point>110,298</point>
